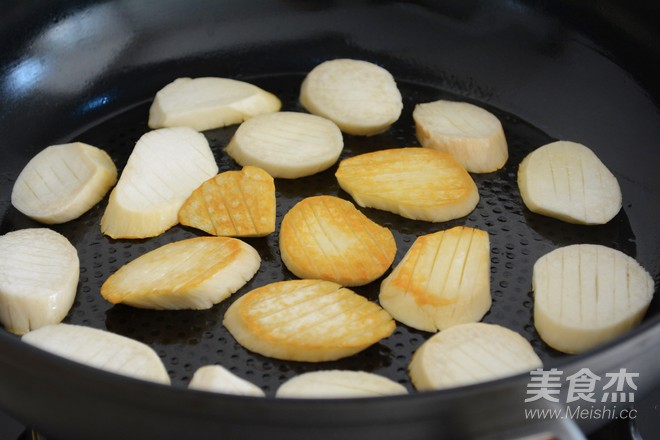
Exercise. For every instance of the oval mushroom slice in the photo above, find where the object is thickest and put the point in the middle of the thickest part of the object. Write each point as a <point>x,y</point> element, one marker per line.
<point>443,280</point>
<point>567,181</point>
<point>195,273</point>
<point>416,183</point>
<point>327,238</point>
<point>471,353</point>
<point>306,320</point>
<point>360,97</point>
<point>287,144</point>
<point>100,349</point>
<point>338,384</point>
<point>209,102</point>
<point>218,379</point>
<point>165,166</point>
<point>472,135</point>
<point>63,182</point>
<point>233,203</point>
<point>585,295</point>
<point>39,271</point>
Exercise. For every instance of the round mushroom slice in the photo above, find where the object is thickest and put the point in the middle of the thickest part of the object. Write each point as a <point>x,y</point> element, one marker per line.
<point>63,182</point>
<point>306,320</point>
<point>39,271</point>
<point>416,183</point>
<point>325,237</point>
<point>360,97</point>
<point>472,135</point>
<point>567,181</point>
<point>287,144</point>
<point>586,295</point>
<point>471,353</point>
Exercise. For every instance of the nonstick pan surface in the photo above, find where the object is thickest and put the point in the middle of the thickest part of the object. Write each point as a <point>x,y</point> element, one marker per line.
<point>598,102</point>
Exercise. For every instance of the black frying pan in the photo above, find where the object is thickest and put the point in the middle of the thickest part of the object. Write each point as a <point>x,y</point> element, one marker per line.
<point>549,70</point>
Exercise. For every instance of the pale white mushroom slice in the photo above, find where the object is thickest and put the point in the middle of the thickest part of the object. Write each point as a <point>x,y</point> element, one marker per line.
<point>39,271</point>
<point>471,353</point>
<point>164,168</point>
<point>443,280</point>
<point>218,379</point>
<point>586,295</point>
<point>100,349</point>
<point>209,102</point>
<point>62,182</point>
<point>306,320</point>
<point>416,183</point>
<point>331,384</point>
<point>362,98</point>
<point>195,273</point>
<point>567,181</point>
<point>287,144</point>
<point>471,134</point>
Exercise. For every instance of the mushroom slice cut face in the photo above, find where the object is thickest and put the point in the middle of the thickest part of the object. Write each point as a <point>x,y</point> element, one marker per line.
<point>306,320</point>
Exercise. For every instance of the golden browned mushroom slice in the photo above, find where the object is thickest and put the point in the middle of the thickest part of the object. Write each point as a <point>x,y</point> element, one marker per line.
<point>443,280</point>
<point>195,273</point>
<point>416,183</point>
<point>325,237</point>
<point>306,320</point>
<point>233,203</point>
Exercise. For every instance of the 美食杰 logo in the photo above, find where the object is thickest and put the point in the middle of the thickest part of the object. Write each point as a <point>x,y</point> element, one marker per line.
<point>584,393</point>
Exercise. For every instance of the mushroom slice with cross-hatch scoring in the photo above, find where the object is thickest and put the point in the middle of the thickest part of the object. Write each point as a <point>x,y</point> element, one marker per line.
<point>233,204</point>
